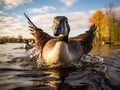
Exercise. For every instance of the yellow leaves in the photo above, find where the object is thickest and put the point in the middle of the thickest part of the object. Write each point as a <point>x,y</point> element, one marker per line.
<point>105,33</point>
<point>96,18</point>
<point>107,23</point>
<point>101,21</point>
<point>104,22</point>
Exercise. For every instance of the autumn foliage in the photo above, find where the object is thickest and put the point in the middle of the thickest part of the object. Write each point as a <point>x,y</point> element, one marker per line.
<point>108,24</point>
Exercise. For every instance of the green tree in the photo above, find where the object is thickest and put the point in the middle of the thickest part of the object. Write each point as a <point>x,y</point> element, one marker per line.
<point>108,24</point>
<point>113,22</point>
<point>110,16</point>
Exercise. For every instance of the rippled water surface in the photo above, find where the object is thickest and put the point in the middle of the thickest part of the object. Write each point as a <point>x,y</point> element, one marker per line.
<point>18,73</point>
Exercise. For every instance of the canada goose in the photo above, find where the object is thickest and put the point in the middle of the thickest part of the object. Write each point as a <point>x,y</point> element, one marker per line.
<point>61,48</point>
<point>27,45</point>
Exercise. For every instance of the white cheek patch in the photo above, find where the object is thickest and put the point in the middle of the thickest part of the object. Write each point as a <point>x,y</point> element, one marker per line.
<point>65,28</point>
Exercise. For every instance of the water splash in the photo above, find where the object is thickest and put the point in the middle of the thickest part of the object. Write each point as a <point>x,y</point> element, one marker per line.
<point>86,60</point>
<point>16,71</point>
<point>34,53</point>
<point>92,59</point>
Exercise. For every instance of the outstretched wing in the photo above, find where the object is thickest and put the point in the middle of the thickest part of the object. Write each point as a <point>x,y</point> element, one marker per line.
<point>87,38</point>
<point>83,36</point>
<point>40,37</point>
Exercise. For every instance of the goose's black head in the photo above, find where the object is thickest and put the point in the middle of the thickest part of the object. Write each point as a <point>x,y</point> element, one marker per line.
<point>61,26</point>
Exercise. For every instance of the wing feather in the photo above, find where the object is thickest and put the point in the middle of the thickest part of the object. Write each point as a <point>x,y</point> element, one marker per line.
<point>86,39</point>
<point>41,38</point>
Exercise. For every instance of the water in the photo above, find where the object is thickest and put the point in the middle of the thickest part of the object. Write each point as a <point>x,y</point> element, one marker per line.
<point>18,73</point>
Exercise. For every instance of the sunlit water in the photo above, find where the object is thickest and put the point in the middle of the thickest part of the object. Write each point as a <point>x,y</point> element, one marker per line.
<point>98,71</point>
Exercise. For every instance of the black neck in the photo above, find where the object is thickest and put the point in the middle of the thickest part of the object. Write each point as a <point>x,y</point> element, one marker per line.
<point>63,38</point>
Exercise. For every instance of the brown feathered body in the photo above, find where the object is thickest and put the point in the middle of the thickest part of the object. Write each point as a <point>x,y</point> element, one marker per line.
<point>62,49</point>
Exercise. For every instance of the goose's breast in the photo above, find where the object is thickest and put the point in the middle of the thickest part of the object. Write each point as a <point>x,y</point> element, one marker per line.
<point>57,52</point>
<point>48,47</point>
<point>54,51</point>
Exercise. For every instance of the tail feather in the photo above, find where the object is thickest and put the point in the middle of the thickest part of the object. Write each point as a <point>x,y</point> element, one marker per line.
<point>40,37</point>
<point>90,34</point>
<point>30,22</point>
<point>87,41</point>
<point>34,29</point>
<point>92,29</point>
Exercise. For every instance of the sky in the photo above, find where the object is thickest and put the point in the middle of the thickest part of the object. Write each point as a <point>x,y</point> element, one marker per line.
<point>42,12</point>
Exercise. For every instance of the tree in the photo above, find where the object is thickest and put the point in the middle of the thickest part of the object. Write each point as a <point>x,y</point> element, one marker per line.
<point>117,29</point>
<point>108,24</point>
<point>20,38</point>
<point>111,21</point>
<point>96,19</point>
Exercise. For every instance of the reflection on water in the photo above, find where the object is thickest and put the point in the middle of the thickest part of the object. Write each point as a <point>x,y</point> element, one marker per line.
<point>18,73</point>
<point>110,50</point>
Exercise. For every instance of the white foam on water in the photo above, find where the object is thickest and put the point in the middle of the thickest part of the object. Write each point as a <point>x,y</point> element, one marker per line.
<point>97,61</point>
<point>92,59</point>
